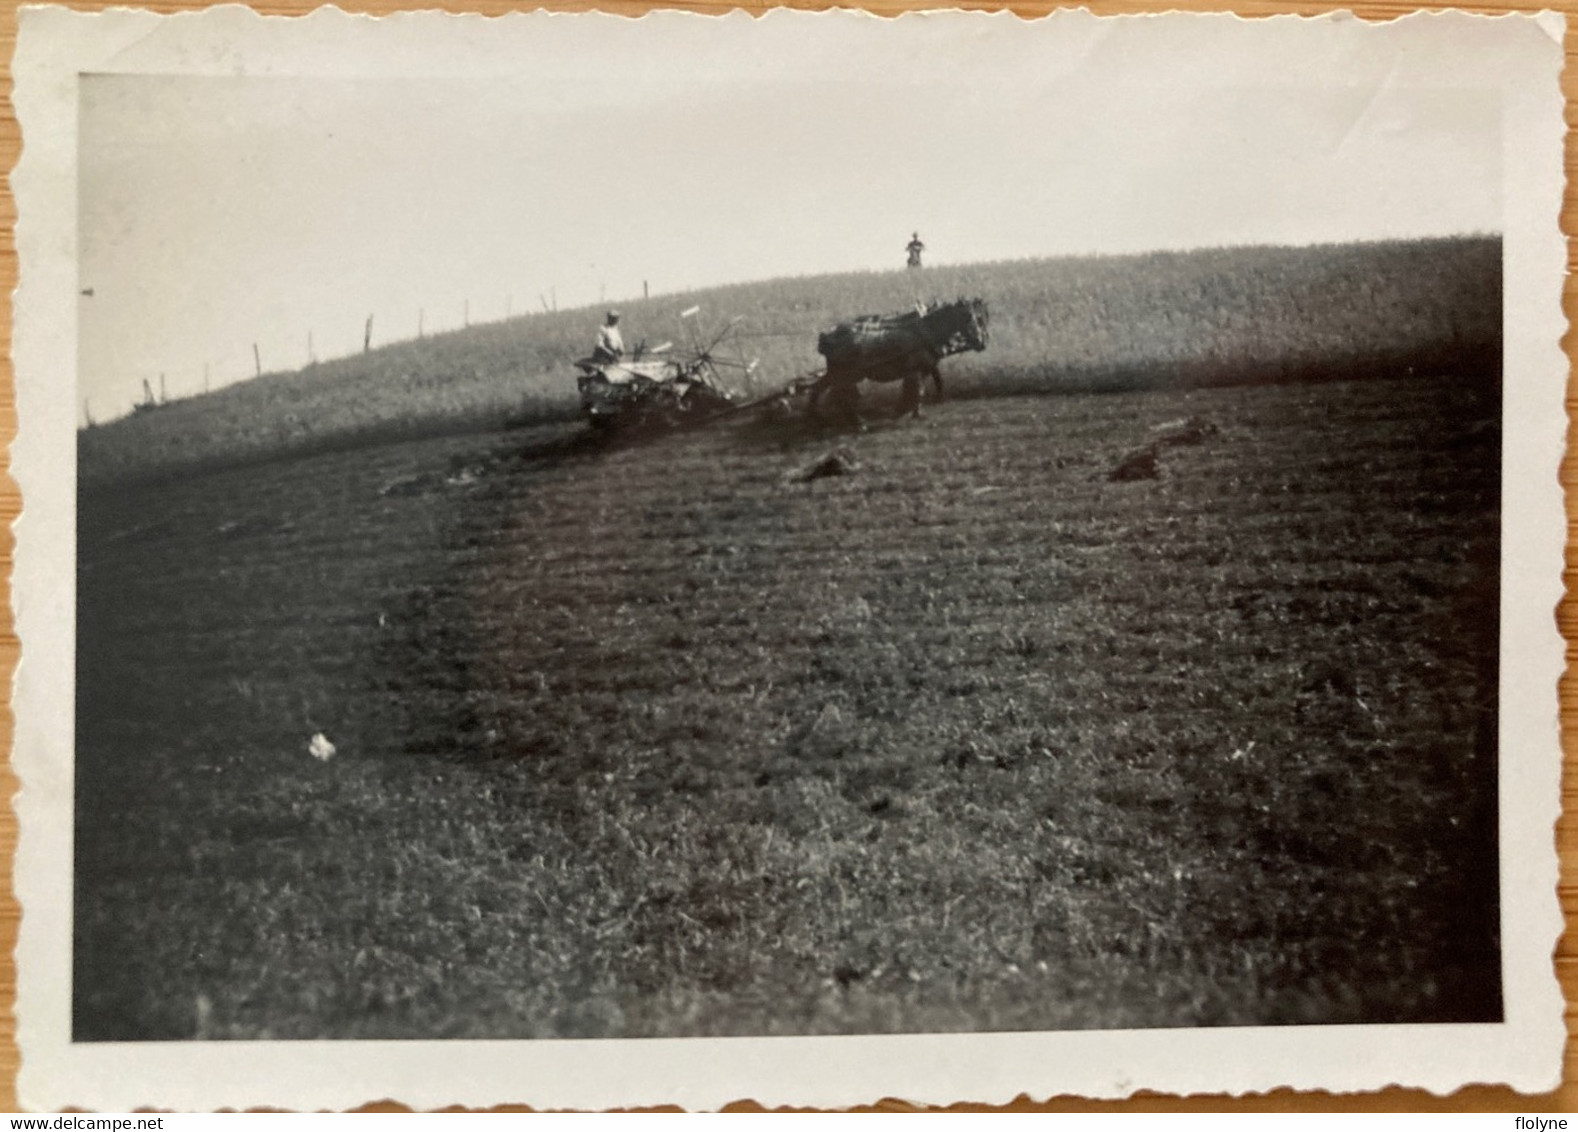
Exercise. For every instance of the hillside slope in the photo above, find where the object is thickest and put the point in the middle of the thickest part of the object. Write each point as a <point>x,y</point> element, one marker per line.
<point>1211,317</point>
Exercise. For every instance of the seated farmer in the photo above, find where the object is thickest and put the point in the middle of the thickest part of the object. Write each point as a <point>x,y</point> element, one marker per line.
<point>610,343</point>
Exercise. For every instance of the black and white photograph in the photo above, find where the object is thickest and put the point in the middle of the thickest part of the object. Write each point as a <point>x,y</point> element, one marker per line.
<point>813,527</point>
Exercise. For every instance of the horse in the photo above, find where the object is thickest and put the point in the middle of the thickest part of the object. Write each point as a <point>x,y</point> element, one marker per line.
<point>899,347</point>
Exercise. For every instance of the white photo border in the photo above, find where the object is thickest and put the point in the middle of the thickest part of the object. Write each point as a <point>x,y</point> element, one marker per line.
<point>1520,55</point>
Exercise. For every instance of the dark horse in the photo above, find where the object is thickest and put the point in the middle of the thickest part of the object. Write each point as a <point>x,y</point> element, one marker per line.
<point>897,347</point>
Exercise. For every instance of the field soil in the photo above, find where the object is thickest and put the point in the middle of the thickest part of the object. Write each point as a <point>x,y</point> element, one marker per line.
<point>668,739</point>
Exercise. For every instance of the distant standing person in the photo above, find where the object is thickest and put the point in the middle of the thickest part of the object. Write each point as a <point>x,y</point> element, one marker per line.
<point>914,247</point>
<point>610,343</point>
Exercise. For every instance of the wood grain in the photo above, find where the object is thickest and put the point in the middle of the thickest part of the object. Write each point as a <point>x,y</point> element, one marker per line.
<point>1564,1099</point>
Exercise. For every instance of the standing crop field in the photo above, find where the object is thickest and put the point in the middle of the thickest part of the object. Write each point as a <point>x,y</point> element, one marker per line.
<point>1166,320</point>
<point>661,739</point>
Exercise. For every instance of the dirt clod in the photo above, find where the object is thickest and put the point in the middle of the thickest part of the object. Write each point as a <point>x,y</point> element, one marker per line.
<point>839,462</point>
<point>1186,430</point>
<point>1139,465</point>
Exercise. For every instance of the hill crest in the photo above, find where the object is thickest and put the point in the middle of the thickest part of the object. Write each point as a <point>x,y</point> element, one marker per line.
<point>1204,317</point>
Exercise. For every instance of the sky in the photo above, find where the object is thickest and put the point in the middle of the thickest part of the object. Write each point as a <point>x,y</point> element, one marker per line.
<point>600,156</point>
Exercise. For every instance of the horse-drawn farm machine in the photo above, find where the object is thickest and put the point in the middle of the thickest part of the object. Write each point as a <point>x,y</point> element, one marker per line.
<point>653,389</point>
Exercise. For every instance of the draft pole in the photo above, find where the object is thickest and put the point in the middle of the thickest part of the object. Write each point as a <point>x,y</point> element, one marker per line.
<point>367,335</point>
<point>205,377</point>
<point>257,360</point>
<point>465,313</point>
<point>162,397</point>
<point>420,315</point>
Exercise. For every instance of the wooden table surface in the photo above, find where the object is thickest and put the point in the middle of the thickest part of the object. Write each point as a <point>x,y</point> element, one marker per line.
<point>1564,1099</point>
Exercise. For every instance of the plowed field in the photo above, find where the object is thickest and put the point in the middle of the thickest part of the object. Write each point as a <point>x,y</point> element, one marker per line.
<point>660,739</point>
